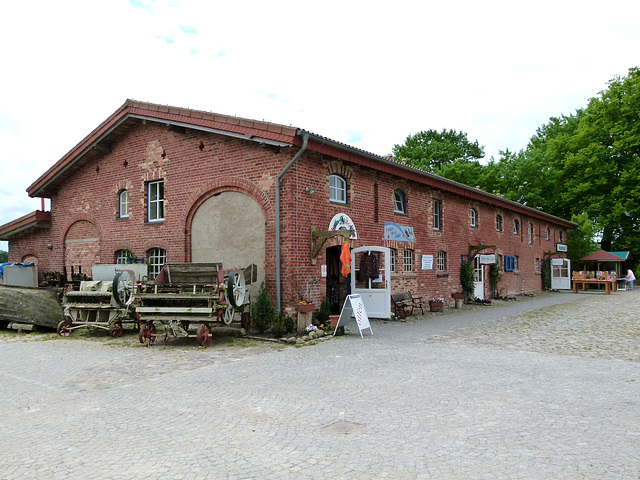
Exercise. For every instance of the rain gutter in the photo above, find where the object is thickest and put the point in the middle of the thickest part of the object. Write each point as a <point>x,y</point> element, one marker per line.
<point>305,141</point>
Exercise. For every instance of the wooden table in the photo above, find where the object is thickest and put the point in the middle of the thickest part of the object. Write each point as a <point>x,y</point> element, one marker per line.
<point>609,285</point>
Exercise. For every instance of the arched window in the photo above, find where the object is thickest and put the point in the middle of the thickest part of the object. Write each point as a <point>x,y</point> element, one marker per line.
<point>532,233</point>
<point>498,223</point>
<point>156,257</point>
<point>337,188</point>
<point>123,204</point>
<point>124,256</point>
<point>473,217</point>
<point>548,234</point>
<point>516,226</point>
<point>399,201</point>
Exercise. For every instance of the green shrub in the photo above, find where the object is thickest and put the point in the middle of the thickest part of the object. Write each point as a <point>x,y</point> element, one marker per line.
<point>466,277</point>
<point>289,325</point>
<point>262,311</point>
<point>277,327</point>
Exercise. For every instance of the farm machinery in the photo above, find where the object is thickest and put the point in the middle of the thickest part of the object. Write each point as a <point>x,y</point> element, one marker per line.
<point>187,293</point>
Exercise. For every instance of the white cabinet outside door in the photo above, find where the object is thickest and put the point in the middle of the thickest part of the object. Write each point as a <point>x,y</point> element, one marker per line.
<point>375,292</point>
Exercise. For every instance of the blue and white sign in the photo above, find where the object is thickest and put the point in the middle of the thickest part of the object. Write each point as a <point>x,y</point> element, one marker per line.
<point>398,233</point>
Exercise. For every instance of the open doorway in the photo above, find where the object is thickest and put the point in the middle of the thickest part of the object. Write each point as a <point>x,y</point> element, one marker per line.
<point>337,285</point>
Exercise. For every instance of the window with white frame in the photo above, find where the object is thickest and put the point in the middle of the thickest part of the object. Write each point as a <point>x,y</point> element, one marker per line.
<point>393,253</point>
<point>473,217</point>
<point>337,189</point>
<point>498,223</point>
<point>408,261</point>
<point>531,233</point>
<point>124,256</point>
<point>399,201</point>
<point>155,201</point>
<point>156,257</point>
<point>437,215</point>
<point>516,226</point>
<point>442,261</point>
<point>123,204</point>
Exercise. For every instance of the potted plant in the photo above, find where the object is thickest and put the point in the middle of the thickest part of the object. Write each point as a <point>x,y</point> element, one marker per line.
<point>305,307</point>
<point>436,304</point>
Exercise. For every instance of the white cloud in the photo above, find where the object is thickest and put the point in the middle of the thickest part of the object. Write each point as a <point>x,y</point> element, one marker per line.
<point>361,73</point>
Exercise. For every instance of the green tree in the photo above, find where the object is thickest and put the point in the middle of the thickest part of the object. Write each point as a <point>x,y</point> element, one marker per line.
<point>430,150</point>
<point>4,256</point>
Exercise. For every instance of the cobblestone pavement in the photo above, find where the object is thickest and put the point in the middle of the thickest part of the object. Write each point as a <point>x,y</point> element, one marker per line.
<point>539,388</point>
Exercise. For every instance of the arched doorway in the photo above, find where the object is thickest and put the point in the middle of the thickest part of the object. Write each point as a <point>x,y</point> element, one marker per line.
<point>81,249</point>
<point>229,228</point>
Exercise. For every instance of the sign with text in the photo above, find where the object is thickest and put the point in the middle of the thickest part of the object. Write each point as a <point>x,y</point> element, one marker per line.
<point>427,262</point>
<point>488,259</point>
<point>561,247</point>
<point>354,308</point>
<point>397,233</point>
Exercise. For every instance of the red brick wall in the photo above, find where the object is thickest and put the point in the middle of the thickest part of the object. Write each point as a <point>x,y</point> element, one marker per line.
<point>195,165</point>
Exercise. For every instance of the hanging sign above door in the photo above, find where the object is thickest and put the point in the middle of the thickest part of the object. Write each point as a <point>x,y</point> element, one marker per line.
<point>342,221</point>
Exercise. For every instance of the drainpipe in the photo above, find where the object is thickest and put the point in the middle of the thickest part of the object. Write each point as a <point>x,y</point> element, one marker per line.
<point>305,140</point>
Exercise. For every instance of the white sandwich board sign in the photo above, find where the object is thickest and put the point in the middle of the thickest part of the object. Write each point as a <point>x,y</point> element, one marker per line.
<point>353,307</point>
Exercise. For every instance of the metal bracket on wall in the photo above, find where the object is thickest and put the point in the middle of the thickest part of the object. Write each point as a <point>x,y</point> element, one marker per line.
<point>323,236</point>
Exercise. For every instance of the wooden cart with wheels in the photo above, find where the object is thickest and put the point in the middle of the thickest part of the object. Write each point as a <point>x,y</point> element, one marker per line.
<point>194,294</point>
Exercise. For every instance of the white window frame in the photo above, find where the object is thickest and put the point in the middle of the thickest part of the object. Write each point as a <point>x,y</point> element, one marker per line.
<point>399,201</point>
<point>532,232</point>
<point>123,256</point>
<point>498,223</point>
<point>442,261</point>
<point>548,234</point>
<point>123,204</point>
<point>337,188</point>
<point>437,214</point>
<point>157,257</point>
<point>473,217</point>
<point>155,201</point>
<point>393,255</point>
<point>407,260</point>
<point>516,226</point>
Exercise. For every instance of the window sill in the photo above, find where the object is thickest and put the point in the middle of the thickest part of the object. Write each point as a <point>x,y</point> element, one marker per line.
<point>442,275</point>
<point>122,218</point>
<point>155,222</point>
<point>401,213</point>
<point>409,275</point>
<point>343,204</point>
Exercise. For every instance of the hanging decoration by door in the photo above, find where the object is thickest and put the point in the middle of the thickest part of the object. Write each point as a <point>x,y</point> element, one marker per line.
<point>342,221</point>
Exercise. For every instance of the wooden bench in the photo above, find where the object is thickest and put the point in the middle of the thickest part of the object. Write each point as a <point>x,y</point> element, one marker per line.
<point>403,301</point>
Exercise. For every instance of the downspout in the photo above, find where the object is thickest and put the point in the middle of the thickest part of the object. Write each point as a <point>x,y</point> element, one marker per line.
<point>305,140</point>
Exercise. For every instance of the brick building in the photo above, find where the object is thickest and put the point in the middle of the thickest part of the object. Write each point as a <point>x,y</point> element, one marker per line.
<point>177,185</point>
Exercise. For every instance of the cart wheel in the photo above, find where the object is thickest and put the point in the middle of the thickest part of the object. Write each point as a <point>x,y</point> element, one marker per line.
<point>121,291</point>
<point>204,335</point>
<point>117,329</point>
<point>149,334</point>
<point>245,321</point>
<point>236,289</point>
<point>64,328</point>
<point>227,317</point>
<point>141,331</point>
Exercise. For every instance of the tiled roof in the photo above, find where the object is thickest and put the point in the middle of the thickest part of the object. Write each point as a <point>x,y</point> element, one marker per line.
<point>30,220</point>
<point>601,256</point>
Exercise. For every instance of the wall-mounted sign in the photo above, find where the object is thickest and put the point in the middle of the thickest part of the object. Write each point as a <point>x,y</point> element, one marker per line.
<point>395,232</point>
<point>427,262</point>
<point>561,247</point>
<point>557,261</point>
<point>488,259</point>
<point>342,221</point>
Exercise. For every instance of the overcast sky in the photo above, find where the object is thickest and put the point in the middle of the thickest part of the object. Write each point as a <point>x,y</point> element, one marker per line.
<point>367,73</point>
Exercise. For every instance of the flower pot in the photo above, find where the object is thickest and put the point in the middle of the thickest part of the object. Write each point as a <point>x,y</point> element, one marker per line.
<point>436,306</point>
<point>305,308</point>
<point>334,320</point>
